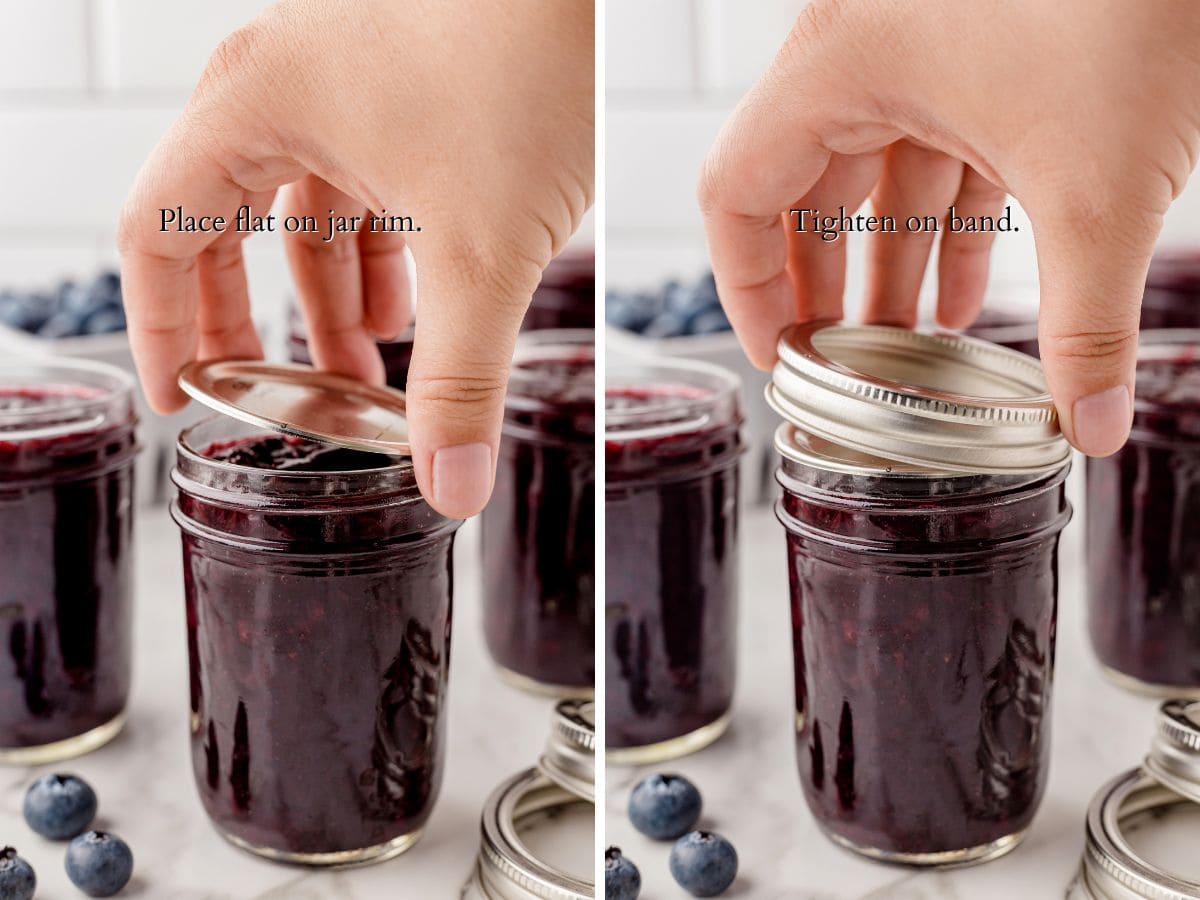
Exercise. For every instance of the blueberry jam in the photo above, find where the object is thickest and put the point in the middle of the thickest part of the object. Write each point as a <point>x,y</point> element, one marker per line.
<point>318,590</point>
<point>1172,298</point>
<point>671,453</point>
<point>66,517</point>
<point>1143,548</point>
<point>539,527</point>
<point>923,613</point>
<point>566,297</point>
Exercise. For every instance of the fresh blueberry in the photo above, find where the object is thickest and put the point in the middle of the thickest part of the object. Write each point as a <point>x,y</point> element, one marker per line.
<point>28,312</point>
<point>711,321</point>
<point>622,880</point>
<point>704,864</point>
<point>59,806</point>
<point>98,863</point>
<point>105,321</point>
<point>632,312</point>
<point>17,880</point>
<point>667,325</point>
<point>61,325</point>
<point>706,288</point>
<point>105,290</point>
<point>664,806</point>
<point>74,298</point>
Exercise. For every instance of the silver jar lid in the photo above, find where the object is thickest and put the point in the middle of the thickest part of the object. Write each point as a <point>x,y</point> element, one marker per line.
<point>942,402</point>
<point>506,868</point>
<point>569,759</point>
<point>302,401</point>
<point>1112,869</point>
<point>1174,757</point>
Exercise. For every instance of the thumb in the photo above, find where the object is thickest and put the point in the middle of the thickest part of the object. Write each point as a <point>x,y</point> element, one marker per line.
<point>467,322</point>
<point>1093,274</point>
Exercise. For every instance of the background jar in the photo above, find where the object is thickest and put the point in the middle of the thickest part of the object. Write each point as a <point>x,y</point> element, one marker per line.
<point>672,445</point>
<point>1172,297</point>
<point>566,296</point>
<point>923,613</point>
<point>1143,543</point>
<point>318,610</point>
<point>67,448</point>
<point>396,353</point>
<point>538,529</point>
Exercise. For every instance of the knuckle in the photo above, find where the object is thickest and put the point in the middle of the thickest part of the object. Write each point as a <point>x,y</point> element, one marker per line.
<point>233,57</point>
<point>1091,346</point>
<point>461,399</point>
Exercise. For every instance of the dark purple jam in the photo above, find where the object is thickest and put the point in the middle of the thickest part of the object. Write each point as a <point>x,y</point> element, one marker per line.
<point>318,589</point>
<point>66,520</point>
<point>566,298</point>
<point>396,355</point>
<point>1143,543</point>
<point>539,527</point>
<point>671,563</point>
<point>923,613</point>
<point>1172,298</point>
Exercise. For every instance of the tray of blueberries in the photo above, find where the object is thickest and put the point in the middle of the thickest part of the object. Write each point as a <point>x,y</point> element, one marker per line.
<point>72,309</point>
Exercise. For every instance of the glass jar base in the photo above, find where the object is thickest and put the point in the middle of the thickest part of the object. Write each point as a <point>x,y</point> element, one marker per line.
<point>1149,688</point>
<point>541,688</point>
<point>341,858</point>
<point>68,748</point>
<point>944,859</point>
<point>674,748</point>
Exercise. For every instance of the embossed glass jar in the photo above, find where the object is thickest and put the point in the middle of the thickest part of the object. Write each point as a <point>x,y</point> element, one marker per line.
<point>396,353</point>
<point>672,446</point>
<point>1143,543</point>
<point>318,592</point>
<point>922,499</point>
<point>67,449</point>
<point>538,529</point>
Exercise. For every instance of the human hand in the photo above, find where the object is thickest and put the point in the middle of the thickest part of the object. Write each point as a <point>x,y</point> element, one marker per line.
<point>1087,112</point>
<point>474,117</point>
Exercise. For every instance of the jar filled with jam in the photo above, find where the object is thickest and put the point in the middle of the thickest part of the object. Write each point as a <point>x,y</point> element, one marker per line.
<point>672,445</point>
<point>318,590</point>
<point>923,497</point>
<point>566,296</point>
<point>1143,544</point>
<point>67,449</point>
<point>538,529</point>
<point>396,353</point>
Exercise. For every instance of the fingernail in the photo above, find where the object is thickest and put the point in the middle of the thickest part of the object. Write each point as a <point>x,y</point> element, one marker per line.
<point>1101,421</point>
<point>462,479</point>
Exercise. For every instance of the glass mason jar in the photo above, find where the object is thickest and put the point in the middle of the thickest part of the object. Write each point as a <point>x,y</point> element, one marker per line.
<point>1143,546</point>
<point>396,353</point>
<point>566,297</point>
<point>1008,328</point>
<point>318,590</point>
<point>672,444</point>
<point>1172,297</point>
<point>923,586</point>
<point>538,530</point>
<point>67,448</point>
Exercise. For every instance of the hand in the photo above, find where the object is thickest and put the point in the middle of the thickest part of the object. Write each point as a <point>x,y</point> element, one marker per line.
<point>474,117</point>
<point>1087,112</point>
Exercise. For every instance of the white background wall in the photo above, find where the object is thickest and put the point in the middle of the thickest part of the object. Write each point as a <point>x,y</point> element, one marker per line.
<point>87,87</point>
<point>675,69</point>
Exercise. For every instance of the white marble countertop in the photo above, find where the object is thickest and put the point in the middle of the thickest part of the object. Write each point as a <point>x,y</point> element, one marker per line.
<point>752,791</point>
<point>144,778</point>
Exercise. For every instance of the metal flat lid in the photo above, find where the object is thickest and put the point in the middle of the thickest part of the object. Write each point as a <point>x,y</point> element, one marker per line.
<point>943,402</point>
<point>302,401</point>
<point>1174,757</point>
<point>569,759</point>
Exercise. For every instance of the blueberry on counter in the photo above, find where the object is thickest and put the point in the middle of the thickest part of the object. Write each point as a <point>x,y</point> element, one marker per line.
<point>59,806</point>
<point>622,880</point>
<point>664,806</point>
<point>704,864</point>
<point>17,880</point>
<point>99,863</point>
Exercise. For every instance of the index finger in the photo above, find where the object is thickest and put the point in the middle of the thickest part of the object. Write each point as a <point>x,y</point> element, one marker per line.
<point>187,175</point>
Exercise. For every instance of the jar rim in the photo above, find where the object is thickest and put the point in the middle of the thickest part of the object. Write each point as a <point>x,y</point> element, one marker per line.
<point>196,456</point>
<point>689,395</point>
<point>549,345</point>
<point>110,393</point>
